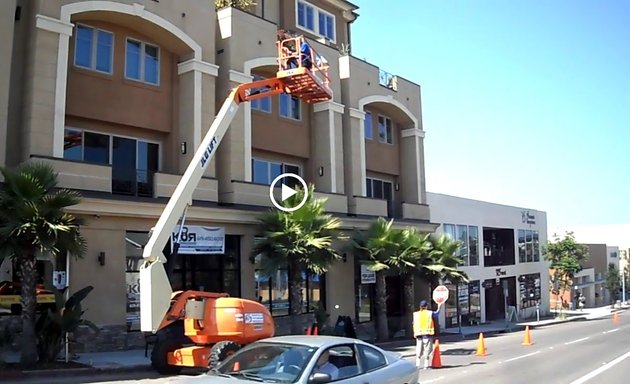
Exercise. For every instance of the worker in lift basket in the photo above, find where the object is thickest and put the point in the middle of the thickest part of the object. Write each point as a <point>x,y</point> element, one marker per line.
<point>424,332</point>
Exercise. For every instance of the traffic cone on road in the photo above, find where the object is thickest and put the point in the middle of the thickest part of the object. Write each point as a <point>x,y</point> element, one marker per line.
<point>616,318</point>
<point>437,360</point>
<point>481,347</point>
<point>527,339</point>
<point>315,330</point>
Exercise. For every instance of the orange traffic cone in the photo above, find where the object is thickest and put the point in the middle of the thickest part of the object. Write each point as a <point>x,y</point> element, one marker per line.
<point>616,318</point>
<point>481,347</point>
<point>527,339</point>
<point>437,360</point>
<point>315,330</point>
<point>308,330</point>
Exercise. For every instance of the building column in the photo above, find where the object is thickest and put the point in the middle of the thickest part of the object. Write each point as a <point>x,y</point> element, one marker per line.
<point>412,186</point>
<point>234,152</point>
<point>47,68</point>
<point>354,154</point>
<point>196,109</point>
<point>327,154</point>
<point>6,55</point>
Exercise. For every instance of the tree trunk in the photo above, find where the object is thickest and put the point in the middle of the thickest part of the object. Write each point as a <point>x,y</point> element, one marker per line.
<point>28,356</point>
<point>380,301</point>
<point>295,299</point>
<point>409,297</point>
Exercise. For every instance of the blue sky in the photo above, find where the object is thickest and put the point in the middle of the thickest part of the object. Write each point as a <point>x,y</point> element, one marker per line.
<point>525,103</point>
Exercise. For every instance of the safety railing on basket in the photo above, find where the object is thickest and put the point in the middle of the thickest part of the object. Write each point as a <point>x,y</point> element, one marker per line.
<point>289,57</point>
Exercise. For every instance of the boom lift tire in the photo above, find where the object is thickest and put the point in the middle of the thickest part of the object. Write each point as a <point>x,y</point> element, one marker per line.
<point>221,351</point>
<point>159,355</point>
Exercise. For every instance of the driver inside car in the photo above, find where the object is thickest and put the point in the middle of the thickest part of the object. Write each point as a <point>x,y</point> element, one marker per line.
<point>325,366</point>
<point>291,361</point>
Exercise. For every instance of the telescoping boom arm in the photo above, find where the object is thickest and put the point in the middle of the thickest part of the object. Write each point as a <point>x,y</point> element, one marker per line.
<point>307,80</point>
<point>155,288</point>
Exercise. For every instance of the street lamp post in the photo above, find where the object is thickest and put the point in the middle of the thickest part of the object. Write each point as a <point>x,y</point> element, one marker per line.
<point>622,267</point>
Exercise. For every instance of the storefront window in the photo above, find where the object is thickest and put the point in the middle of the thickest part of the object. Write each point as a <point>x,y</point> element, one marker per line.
<point>133,243</point>
<point>364,281</point>
<point>273,291</point>
<point>529,290</point>
<point>210,272</point>
<point>451,306</point>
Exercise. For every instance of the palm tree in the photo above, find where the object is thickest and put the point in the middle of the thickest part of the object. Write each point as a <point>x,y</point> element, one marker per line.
<point>33,222</point>
<point>298,241</point>
<point>376,247</point>
<point>415,252</point>
<point>444,262</point>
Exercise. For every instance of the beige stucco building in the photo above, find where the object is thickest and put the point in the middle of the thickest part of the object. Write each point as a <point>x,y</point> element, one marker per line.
<point>117,95</point>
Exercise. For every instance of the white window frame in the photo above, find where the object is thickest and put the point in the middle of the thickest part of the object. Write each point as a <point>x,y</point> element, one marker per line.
<point>367,113</point>
<point>111,143</point>
<point>143,45</point>
<point>285,95</point>
<point>383,181</point>
<point>316,12</point>
<point>269,162</point>
<point>94,49</point>
<point>391,129</point>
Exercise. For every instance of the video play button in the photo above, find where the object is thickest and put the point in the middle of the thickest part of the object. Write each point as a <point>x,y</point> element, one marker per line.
<point>286,192</point>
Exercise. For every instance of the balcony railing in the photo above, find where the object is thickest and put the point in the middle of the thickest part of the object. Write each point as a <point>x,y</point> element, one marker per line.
<point>388,80</point>
<point>133,182</point>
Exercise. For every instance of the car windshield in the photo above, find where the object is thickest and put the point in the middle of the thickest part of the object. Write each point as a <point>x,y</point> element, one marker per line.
<point>267,362</point>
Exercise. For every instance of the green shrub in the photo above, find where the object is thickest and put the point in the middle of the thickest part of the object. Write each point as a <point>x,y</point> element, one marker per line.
<point>52,325</point>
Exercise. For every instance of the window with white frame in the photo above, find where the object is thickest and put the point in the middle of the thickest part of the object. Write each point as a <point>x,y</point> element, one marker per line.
<point>315,20</point>
<point>263,104</point>
<point>367,125</point>
<point>142,62</point>
<point>385,130</point>
<point>265,171</point>
<point>290,107</point>
<point>468,235</point>
<point>528,246</point>
<point>94,49</point>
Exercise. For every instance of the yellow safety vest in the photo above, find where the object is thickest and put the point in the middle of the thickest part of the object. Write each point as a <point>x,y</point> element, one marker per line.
<point>423,323</point>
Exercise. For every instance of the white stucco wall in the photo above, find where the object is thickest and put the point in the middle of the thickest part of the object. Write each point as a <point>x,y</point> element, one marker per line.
<point>456,210</point>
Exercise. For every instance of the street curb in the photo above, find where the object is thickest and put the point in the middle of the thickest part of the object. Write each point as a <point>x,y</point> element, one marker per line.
<point>69,372</point>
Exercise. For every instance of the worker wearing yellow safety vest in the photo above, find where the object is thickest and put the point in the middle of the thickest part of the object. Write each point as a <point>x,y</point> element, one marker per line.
<point>424,332</point>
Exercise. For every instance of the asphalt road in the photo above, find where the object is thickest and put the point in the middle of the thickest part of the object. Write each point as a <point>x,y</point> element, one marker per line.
<point>590,351</point>
<point>580,352</point>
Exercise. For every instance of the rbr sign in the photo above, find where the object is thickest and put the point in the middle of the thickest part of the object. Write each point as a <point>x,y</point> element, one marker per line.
<point>440,294</point>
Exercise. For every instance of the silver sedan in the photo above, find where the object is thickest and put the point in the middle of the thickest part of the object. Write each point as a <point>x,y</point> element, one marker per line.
<point>310,360</point>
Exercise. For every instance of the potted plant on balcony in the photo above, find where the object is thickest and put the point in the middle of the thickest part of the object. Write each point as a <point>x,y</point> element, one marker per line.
<point>243,5</point>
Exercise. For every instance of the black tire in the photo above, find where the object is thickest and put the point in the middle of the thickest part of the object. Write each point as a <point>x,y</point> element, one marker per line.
<point>159,361</point>
<point>220,351</point>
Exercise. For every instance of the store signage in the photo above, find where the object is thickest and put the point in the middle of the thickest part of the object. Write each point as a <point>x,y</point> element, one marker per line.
<point>367,276</point>
<point>197,240</point>
<point>528,218</point>
<point>501,272</point>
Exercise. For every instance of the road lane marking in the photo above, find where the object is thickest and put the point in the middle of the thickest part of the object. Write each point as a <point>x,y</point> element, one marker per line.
<point>432,380</point>
<point>521,357</point>
<point>611,331</point>
<point>577,341</point>
<point>601,369</point>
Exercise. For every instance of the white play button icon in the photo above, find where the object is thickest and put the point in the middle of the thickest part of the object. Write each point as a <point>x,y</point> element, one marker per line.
<point>286,192</point>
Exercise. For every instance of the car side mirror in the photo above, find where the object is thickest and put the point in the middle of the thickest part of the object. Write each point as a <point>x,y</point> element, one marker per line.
<point>319,377</point>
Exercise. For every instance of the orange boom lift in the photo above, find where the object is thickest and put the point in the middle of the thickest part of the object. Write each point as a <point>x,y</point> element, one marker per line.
<point>197,328</point>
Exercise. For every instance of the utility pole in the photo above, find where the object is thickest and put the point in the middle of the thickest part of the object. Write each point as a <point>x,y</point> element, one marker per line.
<point>622,268</point>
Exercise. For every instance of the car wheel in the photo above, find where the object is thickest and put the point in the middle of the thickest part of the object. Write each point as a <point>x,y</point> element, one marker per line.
<point>159,356</point>
<point>221,351</point>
